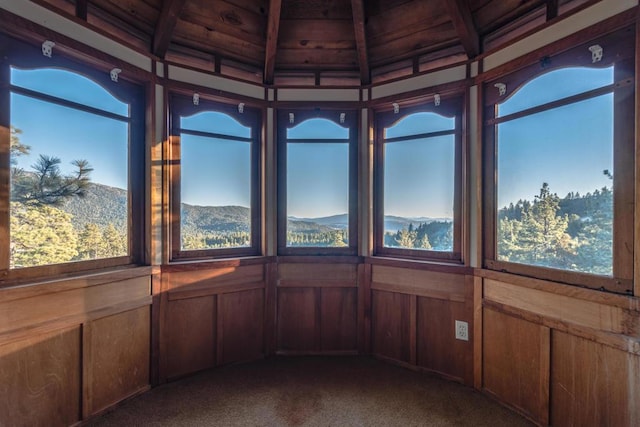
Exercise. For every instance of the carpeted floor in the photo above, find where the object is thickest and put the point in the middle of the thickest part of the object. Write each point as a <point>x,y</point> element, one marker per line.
<point>311,391</point>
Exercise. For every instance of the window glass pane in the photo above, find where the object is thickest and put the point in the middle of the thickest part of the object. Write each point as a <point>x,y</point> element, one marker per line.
<point>215,122</point>
<point>555,204</point>
<point>556,85</point>
<point>318,194</point>
<point>420,123</point>
<point>318,129</point>
<point>70,86</point>
<point>419,177</point>
<point>59,213</point>
<point>215,193</point>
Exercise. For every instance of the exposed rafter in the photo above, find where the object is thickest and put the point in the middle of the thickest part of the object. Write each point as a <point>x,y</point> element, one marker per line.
<point>81,9</point>
<point>460,14</point>
<point>357,10</point>
<point>273,26</point>
<point>165,25</point>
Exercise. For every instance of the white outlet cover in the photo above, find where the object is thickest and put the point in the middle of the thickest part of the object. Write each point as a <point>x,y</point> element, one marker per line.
<point>462,330</point>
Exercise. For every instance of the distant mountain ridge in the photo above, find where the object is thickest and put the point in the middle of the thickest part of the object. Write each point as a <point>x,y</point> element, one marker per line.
<point>103,205</point>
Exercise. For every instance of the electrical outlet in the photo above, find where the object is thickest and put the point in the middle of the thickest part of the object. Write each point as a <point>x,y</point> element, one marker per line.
<point>462,330</point>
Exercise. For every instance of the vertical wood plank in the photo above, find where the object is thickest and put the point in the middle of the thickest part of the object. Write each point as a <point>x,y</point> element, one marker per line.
<point>119,362</point>
<point>438,350</point>
<point>413,320</point>
<point>338,314</point>
<point>364,308</point>
<point>40,380</point>
<point>477,332</point>
<point>190,337</point>
<point>591,383</point>
<point>240,326</point>
<point>390,325</point>
<point>296,323</point>
<point>514,356</point>
<point>270,314</point>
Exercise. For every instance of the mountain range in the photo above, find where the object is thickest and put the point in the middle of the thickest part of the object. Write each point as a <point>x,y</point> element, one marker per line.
<point>103,204</point>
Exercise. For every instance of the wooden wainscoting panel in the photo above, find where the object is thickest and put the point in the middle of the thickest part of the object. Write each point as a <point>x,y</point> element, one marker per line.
<point>338,319</point>
<point>190,336</point>
<point>297,320</point>
<point>516,363</point>
<point>391,325</point>
<point>115,358</point>
<point>592,384</point>
<point>438,349</point>
<point>195,283</point>
<point>240,326</point>
<point>40,380</point>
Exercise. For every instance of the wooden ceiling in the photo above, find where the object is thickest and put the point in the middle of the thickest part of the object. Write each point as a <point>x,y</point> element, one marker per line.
<point>361,39</point>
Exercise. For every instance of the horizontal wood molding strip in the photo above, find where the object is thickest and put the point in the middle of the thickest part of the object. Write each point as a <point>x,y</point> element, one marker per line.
<point>605,298</point>
<point>213,289</point>
<point>187,266</point>
<point>571,310</point>
<point>428,280</point>
<point>29,312</point>
<point>206,278</point>
<point>70,321</point>
<point>318,272</point>
<point>420,265</point>
<point>418,291</point>
<point>60,285</point>
<point>625,343</point>
<point>318,283</point>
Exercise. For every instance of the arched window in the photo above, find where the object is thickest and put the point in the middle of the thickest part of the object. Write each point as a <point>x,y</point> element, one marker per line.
<point>214,179</point>
<point>75,167</point>
<point>418,181</point>
<point>560,146</point>
<point>317,185</point>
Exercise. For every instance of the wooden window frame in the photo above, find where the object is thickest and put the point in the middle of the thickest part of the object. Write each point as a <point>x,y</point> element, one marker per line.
<point>182,106</point>
<point>352,120</point>
<point>450,106</point>
<point>28,55</point>
<point>619,51</point>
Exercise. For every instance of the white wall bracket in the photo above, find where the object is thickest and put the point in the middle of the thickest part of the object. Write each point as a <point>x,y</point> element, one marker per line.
<point>292,118</point>
<point>47,48</point>
<point>196,99</point>
<point>343,117</point>
<point>241,108</point>
<point>502,88</point>
<point>114,74</point>
<point>436,99</point>
<point>596,53</point>
<point>396,108</point>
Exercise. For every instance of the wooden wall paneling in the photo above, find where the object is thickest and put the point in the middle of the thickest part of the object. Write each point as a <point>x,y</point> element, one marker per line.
<point>477,332</point>
<point>115,358</point>
<point>240,326</point>
<point>297,320</point>
<point>364,308</point>
<point>516,363</point>
<point>190,336</point>
<point>270,316</point>
<point>432,284</point>
<point>338,319</point>
<point>156,316</point>
<point>438,349</point>
<point>71,307</point>
<point>391,325</point>
<point>209,281</point>
<point>592,384</point>
<point>309,275</point>
<point>40,380</point>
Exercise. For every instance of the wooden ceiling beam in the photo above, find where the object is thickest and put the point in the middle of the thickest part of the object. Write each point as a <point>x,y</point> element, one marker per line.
<point>552,9</point>
<point>460,14</point>
<point>271,47</point>
<point>357,10</point>
<point>81,9</point>
<point>166,24</point>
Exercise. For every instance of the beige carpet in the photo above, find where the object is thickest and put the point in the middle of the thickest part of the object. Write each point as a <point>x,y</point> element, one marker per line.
<point>311,391</point>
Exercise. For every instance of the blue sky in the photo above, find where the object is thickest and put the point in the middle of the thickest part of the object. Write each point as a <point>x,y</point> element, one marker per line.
<point>567,147</point>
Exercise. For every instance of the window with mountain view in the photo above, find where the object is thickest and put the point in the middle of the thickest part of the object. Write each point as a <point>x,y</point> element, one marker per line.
<point>70,145</point>
<point>418,181</point>
<point>215,187</point>
<point>317,212</point>
<point>562,150</point>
